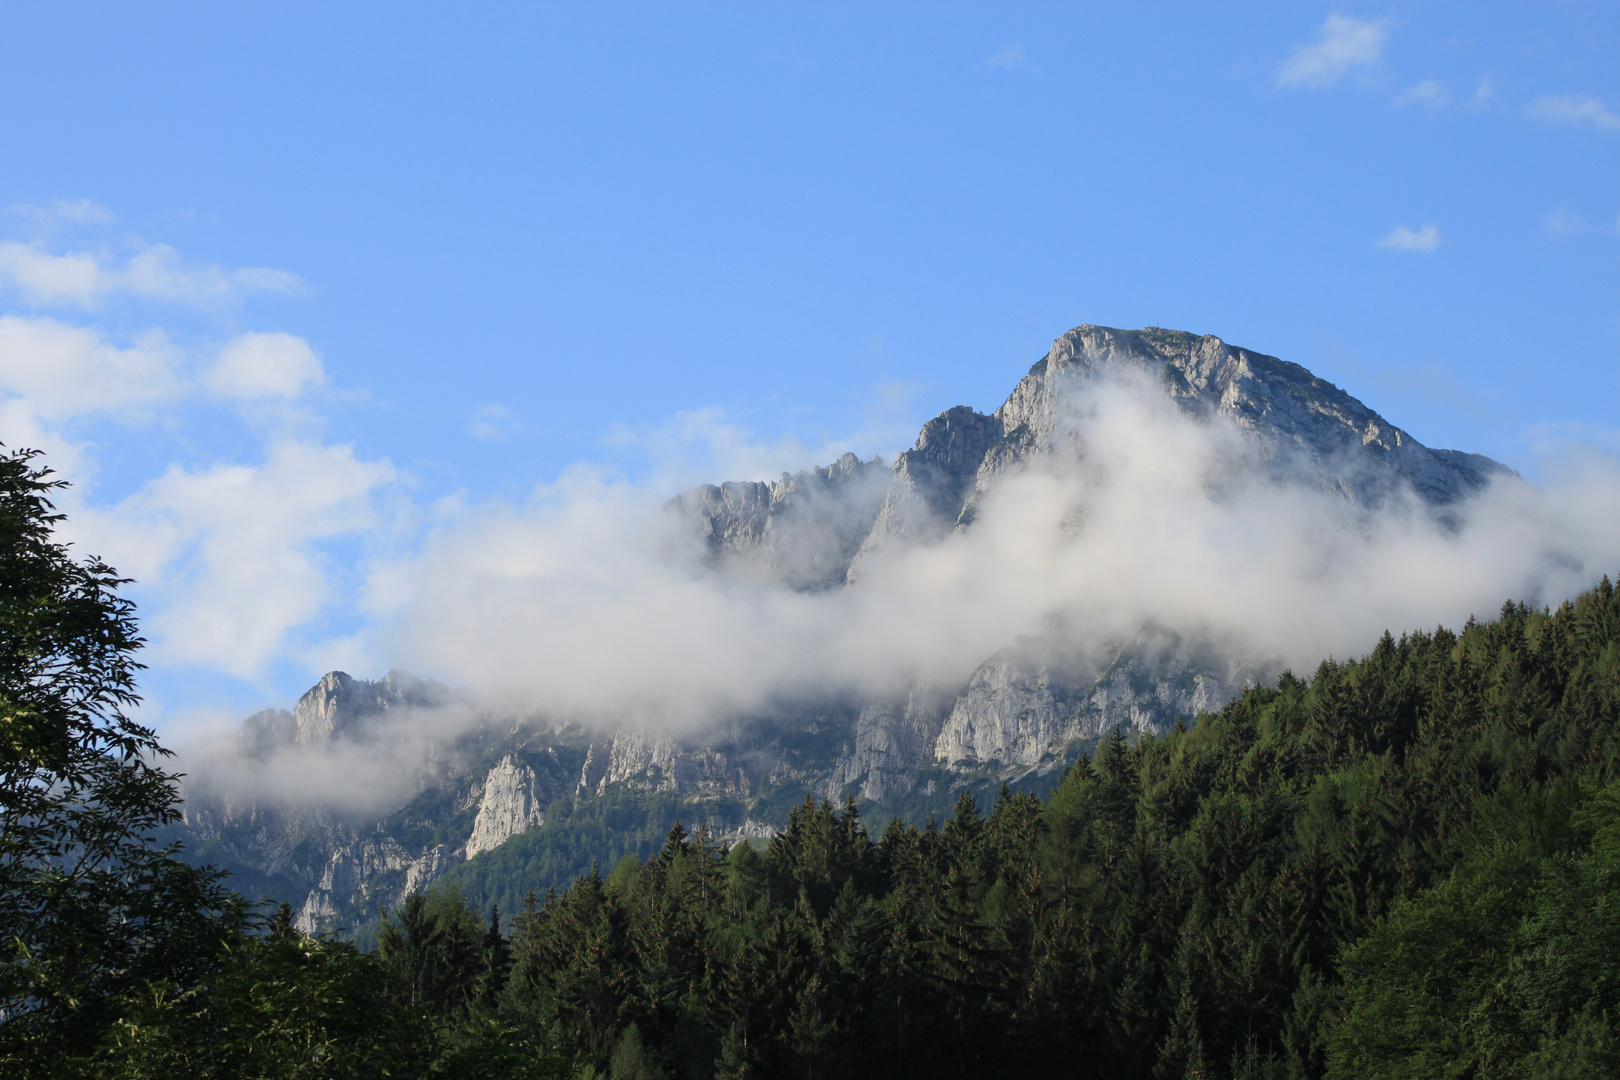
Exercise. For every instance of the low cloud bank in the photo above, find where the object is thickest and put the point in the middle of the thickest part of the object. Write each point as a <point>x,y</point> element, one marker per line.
<point>371,771</point>
<point>596,602</point>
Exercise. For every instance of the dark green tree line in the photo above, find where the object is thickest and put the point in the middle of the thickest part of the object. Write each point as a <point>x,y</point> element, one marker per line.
<point>1255,895</point>
<point>117,959</point>
<point>1402,866</point>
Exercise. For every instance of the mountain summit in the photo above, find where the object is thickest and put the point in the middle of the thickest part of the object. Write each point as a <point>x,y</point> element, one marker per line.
<point>489,792</point>
<point>811,529</point>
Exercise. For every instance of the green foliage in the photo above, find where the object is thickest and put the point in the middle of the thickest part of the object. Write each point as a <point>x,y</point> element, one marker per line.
<point>1507,968</point>
<point>119,961</point>
<point>92,907</point>
<point>1404,866</point>
<point>438,952</point>
<point>293,1007</point>
<point>1399,867</point>
<point>577,835</point>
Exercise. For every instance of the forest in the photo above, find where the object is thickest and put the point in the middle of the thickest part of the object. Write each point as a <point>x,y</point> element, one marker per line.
<point>1400,865</point>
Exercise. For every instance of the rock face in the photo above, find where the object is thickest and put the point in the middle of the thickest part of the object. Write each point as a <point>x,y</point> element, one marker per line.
<point>1292,415</point>
<point>336,705</point>
<point>1025,710</point>
<point>890,740</point>
<point>803,529</point>
<point>933,479</point>
<point>1297,423</point>
<point>1018,706</point>
<point>661,763</point>
<point>513,801</point>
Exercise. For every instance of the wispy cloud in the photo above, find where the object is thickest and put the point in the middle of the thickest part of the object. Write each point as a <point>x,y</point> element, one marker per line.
<point>1010,55</point>
<point>1562,222</point>
<point>1429,94</point>
<point>150,272</point>
<point>1574,110</point>
<point>59,371</point>
<point>63,212</point>
<point>537,605</point>
<point>1421,241</point>
<point>494,423</point>
<point>230,554</point>
<point>1342,43</point>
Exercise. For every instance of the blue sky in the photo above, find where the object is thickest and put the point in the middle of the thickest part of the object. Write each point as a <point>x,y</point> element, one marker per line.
<point>283,286</point>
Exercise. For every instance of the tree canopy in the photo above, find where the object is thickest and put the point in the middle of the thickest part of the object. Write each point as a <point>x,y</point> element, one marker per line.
<point>91,906</point>
<point>1403,866</point>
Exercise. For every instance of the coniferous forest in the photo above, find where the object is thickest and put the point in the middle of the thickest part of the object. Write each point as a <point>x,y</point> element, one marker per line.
<point>1403,865</point>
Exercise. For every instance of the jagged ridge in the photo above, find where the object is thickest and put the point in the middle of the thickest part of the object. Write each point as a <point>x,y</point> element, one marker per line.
<point>1021,714</point>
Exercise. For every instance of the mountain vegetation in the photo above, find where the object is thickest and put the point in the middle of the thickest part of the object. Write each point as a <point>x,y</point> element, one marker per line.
<point>529,796</point>
<point>1403,865</point>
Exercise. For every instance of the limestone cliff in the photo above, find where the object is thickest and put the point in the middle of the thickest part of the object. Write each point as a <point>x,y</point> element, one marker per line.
<point>1023,712</point>
<point>513,801</point>
<point>1297,423</point>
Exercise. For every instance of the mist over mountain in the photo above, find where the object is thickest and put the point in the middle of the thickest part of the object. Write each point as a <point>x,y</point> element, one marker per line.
<point>1150,522</point>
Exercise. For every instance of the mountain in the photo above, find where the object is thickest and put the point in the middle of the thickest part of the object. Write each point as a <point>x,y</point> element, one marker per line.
<point>502,802</point>
<point>828,519</point>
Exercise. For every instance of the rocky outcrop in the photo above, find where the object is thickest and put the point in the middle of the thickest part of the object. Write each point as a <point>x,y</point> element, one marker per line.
<point>932,480</point>
<point>513,802</point>
<point>662,763</point>
<point>333,707</point>
<point>1024,711</point>
<point>264,731</point>
<point>1025,704</point>
<point>1016,709</point>
<point>354,870</point>
<point>891,739</point>
<point>370,874</point>
<point>1296,419</point>
<point>802,529</point>
<point>815,529</point>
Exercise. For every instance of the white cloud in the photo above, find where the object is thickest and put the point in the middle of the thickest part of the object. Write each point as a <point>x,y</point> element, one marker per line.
<point>64,212</point>
<point>232,560</point>
<point>152,272</point>
<point>593,601</point>
<point>81,212</point>
<point>1429,94</point>
<point>1343,43</point>
<point>1010,55</point>
<point>1576,110</point>
<point>494,423</point>
<point>230,554</point>
<point>265,365</point>
<point>697,446</point>
<point>1422,241</point>
<point>1562,222</point>
<point>62,371</point>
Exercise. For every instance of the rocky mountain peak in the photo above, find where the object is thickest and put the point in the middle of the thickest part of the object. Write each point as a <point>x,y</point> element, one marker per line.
<point>1300,426</point>
<point>335,706</point>
<point>324,708</point>
<point>802,529</point>
<point>1299,421</point>
<point>1023,713</point>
